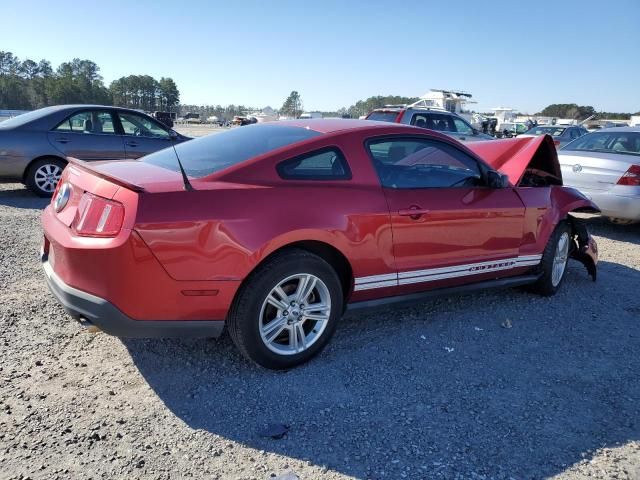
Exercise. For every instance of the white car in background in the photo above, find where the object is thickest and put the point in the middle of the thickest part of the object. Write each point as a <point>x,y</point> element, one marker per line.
<point>605,166</point>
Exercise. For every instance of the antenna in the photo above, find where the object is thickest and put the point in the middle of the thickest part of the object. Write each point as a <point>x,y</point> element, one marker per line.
<point>187,184</point>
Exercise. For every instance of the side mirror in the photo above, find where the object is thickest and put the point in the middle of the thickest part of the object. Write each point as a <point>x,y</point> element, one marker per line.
<point>497,179</point>
<point>173,135</point>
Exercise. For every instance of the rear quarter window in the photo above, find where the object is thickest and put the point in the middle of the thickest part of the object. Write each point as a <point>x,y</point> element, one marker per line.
<point>325,164</point>
<point>206,155</point>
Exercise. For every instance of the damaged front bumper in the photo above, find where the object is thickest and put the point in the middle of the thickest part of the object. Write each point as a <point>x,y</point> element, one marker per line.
<point>585,248</point>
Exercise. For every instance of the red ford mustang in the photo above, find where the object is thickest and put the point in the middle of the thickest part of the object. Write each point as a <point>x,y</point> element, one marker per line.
<point>275,229</point>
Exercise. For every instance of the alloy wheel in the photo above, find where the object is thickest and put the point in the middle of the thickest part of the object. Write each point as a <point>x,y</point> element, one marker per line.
<point>294,314</point>
<point>47,176</point>
<point>560,259</point>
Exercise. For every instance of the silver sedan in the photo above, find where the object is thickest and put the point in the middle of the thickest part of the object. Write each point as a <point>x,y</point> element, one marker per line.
<point>605,166</point>
<point>34,146</point>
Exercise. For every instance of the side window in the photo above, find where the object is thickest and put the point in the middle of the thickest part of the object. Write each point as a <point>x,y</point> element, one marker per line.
<point>420,120</point>
<point>422,163</point>
<point>443,123</point>
<point>574,133</point>
<point>326,164</point>
<point>139,126</point>
<point>462,126</point>
<point>91,122</point>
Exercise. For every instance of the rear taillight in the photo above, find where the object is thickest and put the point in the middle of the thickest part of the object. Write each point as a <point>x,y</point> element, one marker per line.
<point>631,177</point>
<point>98,217</point>
<point>556,143</point>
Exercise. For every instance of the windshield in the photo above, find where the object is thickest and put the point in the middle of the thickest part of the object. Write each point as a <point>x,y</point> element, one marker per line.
<point>553,131</point>
<point>624,143</point>
<point>206,155</point>
<point>25,118</point>
<point>383,116</point>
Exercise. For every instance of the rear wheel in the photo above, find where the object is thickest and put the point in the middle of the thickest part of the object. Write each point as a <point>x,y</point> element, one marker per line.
<point>43,176</point>
<point>287,310</point>
<point>554,261</point>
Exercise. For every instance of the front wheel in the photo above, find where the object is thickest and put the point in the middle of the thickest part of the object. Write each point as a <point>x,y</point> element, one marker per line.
<point>554,261</point>
<point>287,311</point>
<point>43,176</point>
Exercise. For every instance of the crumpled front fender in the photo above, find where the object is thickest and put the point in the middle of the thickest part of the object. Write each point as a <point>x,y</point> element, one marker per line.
<point>585,248</point>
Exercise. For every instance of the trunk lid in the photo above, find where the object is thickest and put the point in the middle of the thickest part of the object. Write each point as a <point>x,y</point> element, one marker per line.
<point>594,171</point>
<point>132,174</point>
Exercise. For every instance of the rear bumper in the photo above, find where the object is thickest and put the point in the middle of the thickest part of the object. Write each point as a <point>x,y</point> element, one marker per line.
<point>107,317</point>
<point>616,205</point>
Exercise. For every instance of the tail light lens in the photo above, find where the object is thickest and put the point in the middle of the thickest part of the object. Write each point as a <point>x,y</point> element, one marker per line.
<point>556,143</point>
<point>631,177</point>
<point>98,217</point>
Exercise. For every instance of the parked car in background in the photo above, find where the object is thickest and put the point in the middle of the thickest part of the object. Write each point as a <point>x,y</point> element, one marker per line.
<point>34,146</point>
<point>511,129</point>
<point>166,118</point>
<point>343,214</point>
<point>439,120</point>
<point>241,120</point>
<point>561,134</point>
<point>605,166</point>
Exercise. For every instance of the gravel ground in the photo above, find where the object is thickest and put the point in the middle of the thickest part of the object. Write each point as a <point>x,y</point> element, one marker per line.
<point>442,390</point>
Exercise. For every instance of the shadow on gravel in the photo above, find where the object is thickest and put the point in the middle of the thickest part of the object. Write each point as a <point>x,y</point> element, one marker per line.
<point>20,197</point>
<point>623,233</point>
<point>436,390</point>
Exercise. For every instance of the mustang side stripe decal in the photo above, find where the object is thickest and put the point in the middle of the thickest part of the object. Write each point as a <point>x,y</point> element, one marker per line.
<point>442,273</point>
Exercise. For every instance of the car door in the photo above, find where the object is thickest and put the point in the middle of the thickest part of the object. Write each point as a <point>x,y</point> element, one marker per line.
<point>448,227</point>
<point>142,134</point>
<point>88,135</point>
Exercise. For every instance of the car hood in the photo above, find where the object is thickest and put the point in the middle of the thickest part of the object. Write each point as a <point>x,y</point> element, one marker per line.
<point>517,156</point>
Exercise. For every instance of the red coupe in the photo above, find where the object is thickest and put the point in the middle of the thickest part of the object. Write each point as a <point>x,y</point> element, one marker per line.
<point>275,229</point>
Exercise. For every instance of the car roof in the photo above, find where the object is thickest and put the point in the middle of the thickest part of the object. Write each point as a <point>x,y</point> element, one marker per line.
<point>57,108</point>
<point>619,129</point>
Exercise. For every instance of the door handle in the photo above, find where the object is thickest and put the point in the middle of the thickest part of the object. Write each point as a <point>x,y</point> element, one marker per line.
<point>463,138</point>
<point>414,212</point>
<point>132,144</point>
<point>62,140</point>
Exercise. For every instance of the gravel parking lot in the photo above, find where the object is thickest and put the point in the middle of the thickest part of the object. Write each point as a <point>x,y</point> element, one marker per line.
<point>442,390</point>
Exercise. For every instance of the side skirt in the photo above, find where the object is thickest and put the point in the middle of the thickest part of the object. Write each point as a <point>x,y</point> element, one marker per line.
<point>413,298</point>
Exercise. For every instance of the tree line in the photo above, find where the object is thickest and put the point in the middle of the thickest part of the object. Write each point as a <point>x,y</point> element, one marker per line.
<point>579,112</point>
<point>28,85</point>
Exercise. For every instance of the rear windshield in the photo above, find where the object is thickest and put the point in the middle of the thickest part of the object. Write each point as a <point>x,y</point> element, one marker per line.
<point>607,142</point>
<point>553,131</point>
<point>383,116</point>
<point>206,155</point>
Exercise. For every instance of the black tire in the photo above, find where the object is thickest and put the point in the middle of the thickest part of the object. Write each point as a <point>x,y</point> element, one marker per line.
<point>244,320</point>
<point>35,184</point>
<point>545,286</point>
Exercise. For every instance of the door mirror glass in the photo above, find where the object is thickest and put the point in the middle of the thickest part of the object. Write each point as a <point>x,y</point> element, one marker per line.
<point>497,179</point>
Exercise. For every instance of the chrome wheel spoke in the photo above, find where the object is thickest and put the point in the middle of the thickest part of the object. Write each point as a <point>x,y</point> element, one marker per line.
<point>318,312</point>
<point>305,287</point>
<point>275,328</point>
<point>279,304</point>
<point>299,332</point>
<point>293,339</point>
